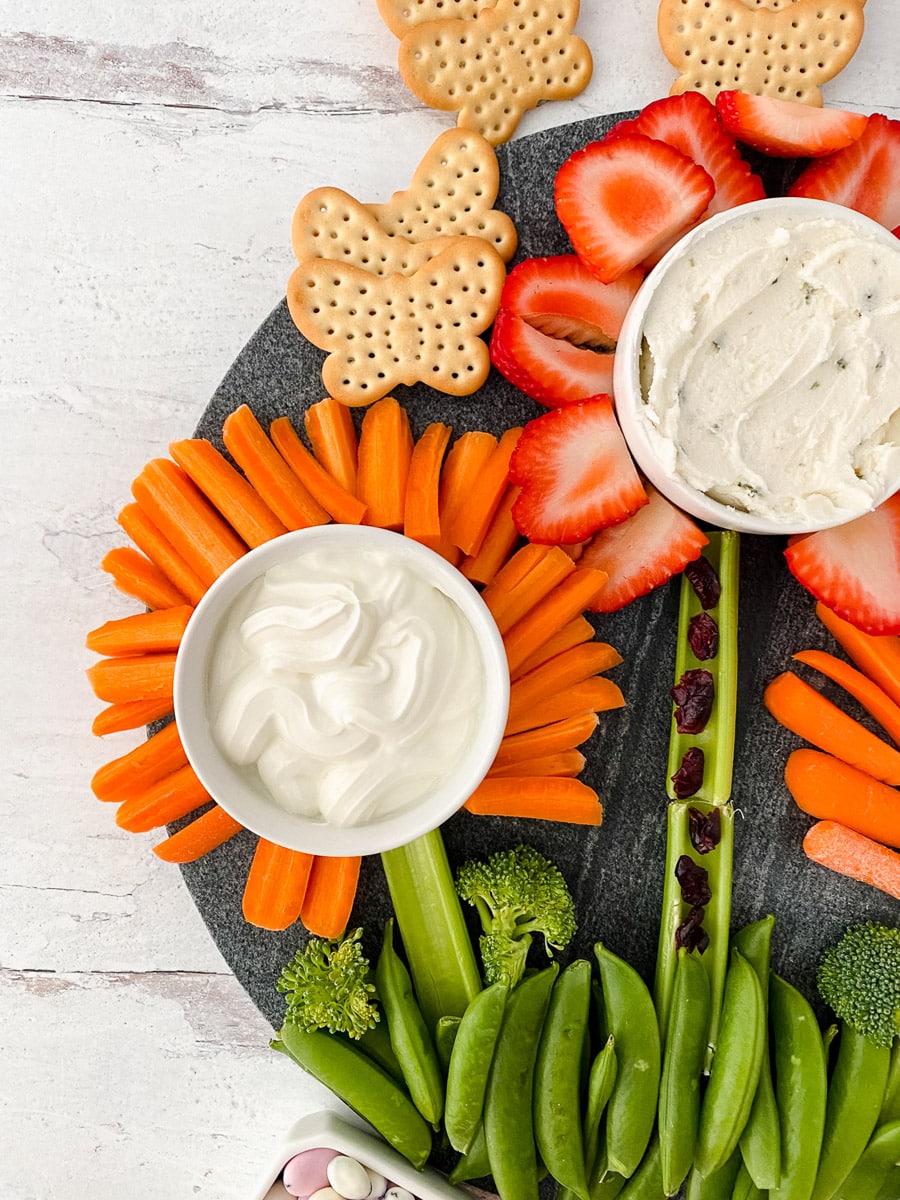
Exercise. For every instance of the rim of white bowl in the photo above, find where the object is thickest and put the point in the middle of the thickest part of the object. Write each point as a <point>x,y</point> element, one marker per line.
<point>626,373</point>
<point>249,804</point>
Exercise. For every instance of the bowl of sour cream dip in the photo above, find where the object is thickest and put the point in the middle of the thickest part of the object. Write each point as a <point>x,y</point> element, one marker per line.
<point>341,690</point>
<point>757,375</point>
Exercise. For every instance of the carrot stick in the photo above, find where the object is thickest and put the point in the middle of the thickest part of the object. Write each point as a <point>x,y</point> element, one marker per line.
<point>806,712</point>
<point>557,675</point>
<point>204,833</point>
<point>135,771</point>
<point>874,699</point>
<point>546,797</point>
<point>385,452</point>
<point>250,447</point>
<point>141,633</point>
<point>421,514</point>
<point>574,633</point>
<point>466,462</point>
<point>276,885</point>
<point>828,789</point>
<point>499,542</point>
<point>160,551</point>
<point>332,435</point>
<point>133,677</point>
<point>548,739</point>
<point>184,516</point>
<point>509,602</point>
<point>228,491</point>
<point>472,520</point>
<point>515,571</point>
<point>597,694</point>
<point>130,714</point>
<point>878,657</point>
<point>564,603</point>
<point>169,799</point>
<point>832,845</point>
<point>564,762</point>
<point>340,504</point>
<point>330,895</point>
<point>135,575</point>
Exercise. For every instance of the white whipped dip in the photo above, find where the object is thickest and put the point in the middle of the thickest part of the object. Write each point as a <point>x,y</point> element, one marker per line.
<point>770,366</point>
<point>348,680</point>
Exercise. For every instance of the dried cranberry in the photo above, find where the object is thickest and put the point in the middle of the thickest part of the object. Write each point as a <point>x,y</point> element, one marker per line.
<point>690,934</point>
<point>704,580</point>
<point>693,695</point>
<point>703,636</point>
<point>687,779</point>
<point>693,880</point>
<point>705,829</point>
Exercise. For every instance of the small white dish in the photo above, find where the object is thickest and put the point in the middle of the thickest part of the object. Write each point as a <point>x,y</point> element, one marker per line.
<point>241,792</point>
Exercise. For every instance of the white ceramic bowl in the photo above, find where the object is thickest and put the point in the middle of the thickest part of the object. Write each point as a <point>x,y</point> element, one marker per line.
<point>240,791</point>
<point>630,406</point>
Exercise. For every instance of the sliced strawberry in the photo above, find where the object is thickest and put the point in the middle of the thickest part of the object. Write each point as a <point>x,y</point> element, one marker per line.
<point>865,175</point>
<point>575,473</point>
<point>854,569</point>
<point>560,297</point>
<point>786,128</point>
<point>621,199</point>
<point>547,369</point>
<point>643,552</point>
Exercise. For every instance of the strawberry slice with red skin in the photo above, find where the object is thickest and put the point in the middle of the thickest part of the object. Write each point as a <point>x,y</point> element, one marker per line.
<point>865,175</point>
<point>623,198</point>
<point>643,552</point>
<point>854,569</point>
<point>550,370</point>
<point>786,128</point>
<point>575,473</point>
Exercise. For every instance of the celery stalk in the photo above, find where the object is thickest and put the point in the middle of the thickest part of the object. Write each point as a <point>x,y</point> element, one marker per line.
<point>438,946</point>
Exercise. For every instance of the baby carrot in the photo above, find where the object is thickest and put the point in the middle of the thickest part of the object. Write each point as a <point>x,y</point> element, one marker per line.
<point>135,575</point>
<point>566,601</point>
<point>203,834</point>
<point>874,699</point>
<point>597,693</point>
<point>385,452</point>
<point>276,884</point>
<point>149,761</point>
<point>470,523</point>
<point>332,435</point>
<point>562,762</point>
<point>130,714</point>
<point>133,677</point>
<point>227,490</point>
<point>465,466</point>
<point>330,895</point>
<point>876,656</point>
<point>829,789</point>
<point>342,505</point>
<point>169,799</point>
<point>557,675</point>
<point>499,541</point>
<point>509,597</point>
<point>141,633</point>
<point>548,739</point>
<point>545,797</point>
<point>421,513</point>
<point>833,845</point>
<point>573,633</point>
<point>160,551</point>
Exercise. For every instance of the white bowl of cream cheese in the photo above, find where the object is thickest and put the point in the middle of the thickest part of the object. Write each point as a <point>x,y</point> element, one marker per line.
<point>757,375</point>
<point>341,690</point>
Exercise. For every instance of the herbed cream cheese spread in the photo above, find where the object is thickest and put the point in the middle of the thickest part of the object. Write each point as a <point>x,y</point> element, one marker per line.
<point>348,680</point>
<point>770,366</point>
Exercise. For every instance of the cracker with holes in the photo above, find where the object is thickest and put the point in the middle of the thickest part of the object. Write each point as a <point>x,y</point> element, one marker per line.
<point>452,191</point>
<point>383,331</point>
<point>400,15</point>
<point>494,67</point>
<point>780,48</point>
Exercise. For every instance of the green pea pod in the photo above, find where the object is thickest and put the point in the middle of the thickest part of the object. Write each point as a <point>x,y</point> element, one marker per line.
<point>603,1184</point>
<point>890,1189</point>
<point>800,1089</point>
<point>475,1164</point>
<point>685,1053</point>
<point>890,1108</point>
<point>362,1085</point>
<point>410,1039</point>
<point>744,1187</point>
<point>508,1121</point>
<point>444,1039</point>
<point>376,1042</point>
<point>601,1078</point>
<point>718,1186</point>
<point>470,1065</point>
<point>879,1160</point>
<point>646,1183</point>
<point>854,1100</point>
<point>631,1019</point>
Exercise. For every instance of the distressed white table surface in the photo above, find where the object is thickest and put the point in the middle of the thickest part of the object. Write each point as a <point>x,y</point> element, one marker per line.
<point>150,159</point>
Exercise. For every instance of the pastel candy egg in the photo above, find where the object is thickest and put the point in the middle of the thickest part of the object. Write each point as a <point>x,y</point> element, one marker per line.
<point>326,1193</point>
<point>349,1178</point>
<point>307,1172</point>
<point>398,1193</point>
<point>378,1184</point>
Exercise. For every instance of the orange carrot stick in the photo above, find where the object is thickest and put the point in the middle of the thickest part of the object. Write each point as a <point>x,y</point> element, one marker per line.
<point>877,657</point>
<point>548,739</point>
<point>546,797</point>
<point>421,513</point>
<point>564,762</point>
<point>806,712</point>
<point>160,551</point>
<point>330,895</point>
<point>135,771</point>
<point>342,505</point>
<point>597,694</point>
<point>509,602</point>
<point>250,447</point>
<point>832,845</point>
<point>829,789</point>
<point>169,799</point>
<point>184,516</point>
<point>574,633</point>
<point>204,833</point>
<point>133,677</point>
<point>136,576</point>
<point>465,466</point>
<point>385,453</point>
<point>276,885</point>
<point>874,699</point>
<point>499,542</point>
<point>129,714</point>
<point>515,570</point>
<point>332,435</point>
<point>559,674</point>
<point>472,520</point>
<point>142,633</point>
<point>228,491</point>
<point>564,603</point>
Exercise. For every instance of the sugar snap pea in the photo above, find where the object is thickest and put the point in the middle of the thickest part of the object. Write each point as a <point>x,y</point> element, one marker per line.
<point>646,1182</point>
<point>474,1164</point>
<point>719,1185</point>
<point>470,1064</point>
<point>890,1108</point>
<point>879,1160</point>
<point>744,1187</point>
<point>603,1184</point>
<point>444,1038</point>
<point>601,1078</point>
<point>685,1052</point>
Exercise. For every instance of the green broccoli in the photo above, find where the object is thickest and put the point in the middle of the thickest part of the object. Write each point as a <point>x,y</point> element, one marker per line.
<point>327,986</point>
<point>859,978</point>
<point>516,893</point>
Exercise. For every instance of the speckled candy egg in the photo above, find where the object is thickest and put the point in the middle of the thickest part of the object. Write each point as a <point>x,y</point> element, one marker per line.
<point>307,1172</point>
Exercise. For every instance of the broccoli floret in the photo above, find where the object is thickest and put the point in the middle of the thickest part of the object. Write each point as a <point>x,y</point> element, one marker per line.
<point>516,893</point>
<point>859,978</point>
<point>327,986</point>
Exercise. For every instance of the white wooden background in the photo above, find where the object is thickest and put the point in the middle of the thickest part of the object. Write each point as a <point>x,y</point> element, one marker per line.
<point>151,155</point>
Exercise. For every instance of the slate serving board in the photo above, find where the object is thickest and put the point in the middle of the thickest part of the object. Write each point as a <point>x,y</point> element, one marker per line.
<point>616,871</point>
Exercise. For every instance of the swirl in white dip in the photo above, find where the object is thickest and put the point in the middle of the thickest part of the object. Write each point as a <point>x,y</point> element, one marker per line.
<point>348,680</point>
<point>770,367</point>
